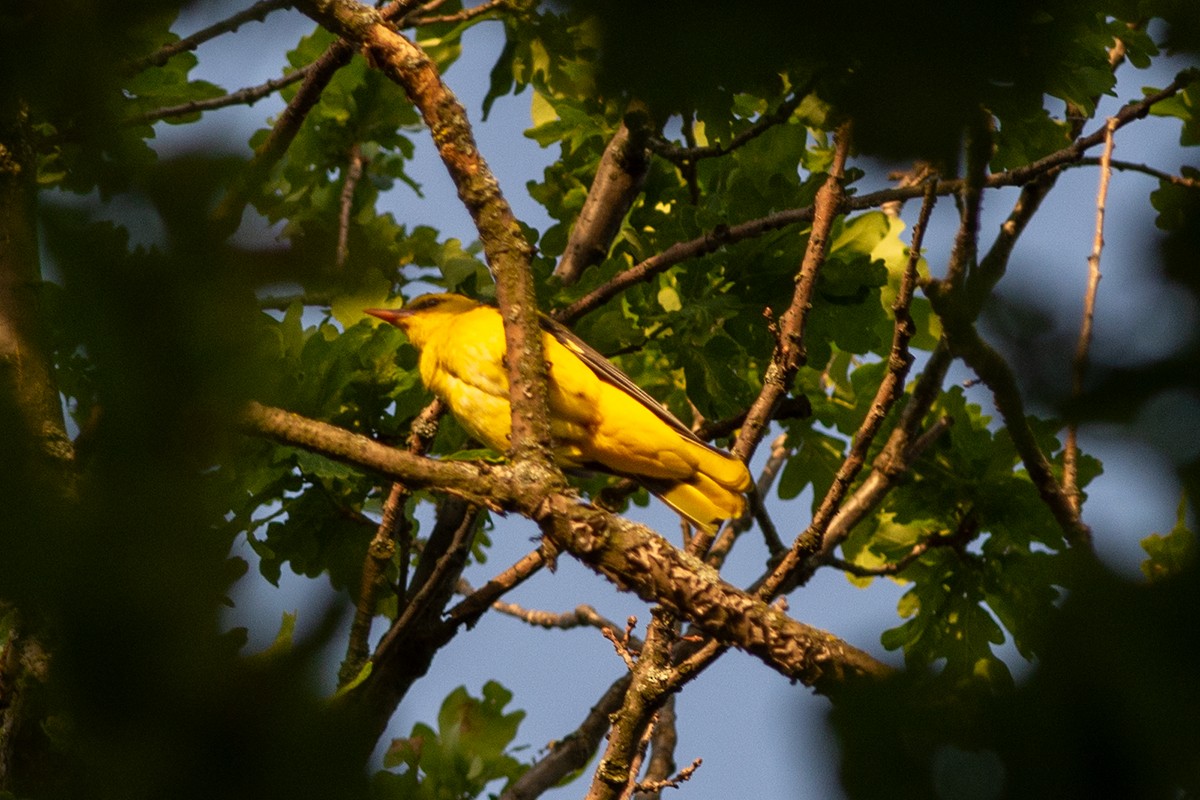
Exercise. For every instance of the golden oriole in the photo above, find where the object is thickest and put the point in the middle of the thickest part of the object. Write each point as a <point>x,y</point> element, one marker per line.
<point>599,418</point>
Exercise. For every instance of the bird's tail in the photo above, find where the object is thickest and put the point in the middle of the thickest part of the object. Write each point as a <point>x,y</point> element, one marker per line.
<point>714,493</point>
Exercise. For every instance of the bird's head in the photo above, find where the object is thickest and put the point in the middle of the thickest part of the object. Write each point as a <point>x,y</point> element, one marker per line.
<point>425,315</point>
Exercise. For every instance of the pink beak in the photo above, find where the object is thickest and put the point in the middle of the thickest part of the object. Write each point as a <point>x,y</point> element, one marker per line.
<point>392,315</point>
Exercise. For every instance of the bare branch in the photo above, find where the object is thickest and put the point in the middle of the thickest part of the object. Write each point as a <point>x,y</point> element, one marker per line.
<point>478,601</point>
<point>257,12</point>
<point>573,751</point>
<point>1080,362</point>
<point>1033,174</point>
<point>717,554</point>
<point>461,16</point>
<point>659,771</point>
<point>354,173</point>
<point>790,351</point>
<point>248,96</point>
<point>886,395</point>
<point>1129,166</point>
<point>680,155</point>
<point>653,788</point>
<point>619,178</point>
<point>617,771</point>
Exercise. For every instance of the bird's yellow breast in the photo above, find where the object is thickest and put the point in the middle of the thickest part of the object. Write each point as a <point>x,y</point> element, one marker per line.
<point>462,362</point>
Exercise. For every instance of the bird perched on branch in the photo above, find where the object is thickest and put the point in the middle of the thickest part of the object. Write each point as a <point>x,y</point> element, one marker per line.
<point>599,419</point>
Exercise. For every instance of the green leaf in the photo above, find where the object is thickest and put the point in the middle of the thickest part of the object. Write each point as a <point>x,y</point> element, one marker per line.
<point>1170,554</point>
<point>1184,106</point>
<point>470,749</point>
<point>814,463</point>
<point>373,292</point>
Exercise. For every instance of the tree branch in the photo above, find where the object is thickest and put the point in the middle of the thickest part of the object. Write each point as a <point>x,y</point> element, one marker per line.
<point>619,178</point>
<point>573,751</point>
<point>681,155</point>
<point>1079,363</point>
<point>393,527</point>
<point>723,235</point>
<point>1146,169</point>
<point>889,391</point>
<point>247,96</point>
<point>317,75</point>
<point>617,770</point>
<point>461,16</point>
<point>508,253</point>
<point>354,172</point>
<point>633,557</point>
<point>480,600</point>
<point>790,351</point>
<point>660,771</point>
<point>257,12</point>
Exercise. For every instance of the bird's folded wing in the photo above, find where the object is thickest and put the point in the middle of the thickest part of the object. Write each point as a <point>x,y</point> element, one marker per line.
<point>608,372</point>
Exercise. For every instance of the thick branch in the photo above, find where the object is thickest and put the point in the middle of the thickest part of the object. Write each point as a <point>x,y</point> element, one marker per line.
<point>633,557</point>
<point>33,438</point>
<point>618,180</point>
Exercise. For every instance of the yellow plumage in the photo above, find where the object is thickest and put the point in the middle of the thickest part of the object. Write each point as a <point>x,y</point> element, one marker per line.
<point>599,419</point>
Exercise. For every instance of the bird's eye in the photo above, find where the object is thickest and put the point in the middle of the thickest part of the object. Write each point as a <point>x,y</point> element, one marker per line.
<point>425,303</point>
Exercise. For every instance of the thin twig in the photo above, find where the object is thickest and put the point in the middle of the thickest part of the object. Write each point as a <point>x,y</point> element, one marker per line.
<point>655,787</point>
<point>479,600</point>
<point>663,739</point>
<point>1130,166</point>
<point>256,12</point>
<point>889,391</point>
<point>354,172</point>
<point>723,235</point>
<point>247,96</point>
<point>1080,362</point>
<point>790,351</point>
<point>780,453</point>
<point>461,16</point>
<point>781,114</point>
<point>583,616</point>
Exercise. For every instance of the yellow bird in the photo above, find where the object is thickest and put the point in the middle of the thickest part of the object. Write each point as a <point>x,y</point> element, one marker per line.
<point>599,418</point>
